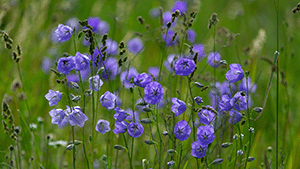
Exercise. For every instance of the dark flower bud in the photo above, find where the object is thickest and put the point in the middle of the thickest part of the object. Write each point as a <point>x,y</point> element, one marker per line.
<point>168,24</point>
<point>217,161</point>
<point>14,55</point>
<point>120,61</point>
<point>147,26</point>
<point>104,37</point>
<point>243,93</point>
<point>174,36</point>
<point>48,137</point>
<point>18,129</point>
<point>243,122</point>
<point>270,149</point>
<point>103,49</point>
<point>83,23</point>
<point>250,159</point>
<point>165,133</point>
<point>16,84</point>
<point>22,96</point>
<point>146,121</point>
<point>225,145</point>
<point>150,142</point>
<point>7,46</point>
<point>121,45</point>
<point>119,147</point>
<point>204,88</point>
<point>171,163</point>
<point>70,146</point>
<point>11,148</point>
<point>141,20</point>
<point>258,109</point>
<point>193,14</point>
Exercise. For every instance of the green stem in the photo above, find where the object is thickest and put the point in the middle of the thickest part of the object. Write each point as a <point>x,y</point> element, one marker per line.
<point>74,155</point>
<point>128,154</point>
<point>160,140</point>
<point>248,112</point>
<point>83,108</point>
<point>277,83</point>
<point>23,88</point>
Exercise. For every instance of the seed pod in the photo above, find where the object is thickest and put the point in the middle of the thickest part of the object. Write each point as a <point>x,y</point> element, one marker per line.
<point>119,147</point>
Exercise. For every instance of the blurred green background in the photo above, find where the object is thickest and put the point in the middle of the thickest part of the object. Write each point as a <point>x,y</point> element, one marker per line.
<point>30,22</point>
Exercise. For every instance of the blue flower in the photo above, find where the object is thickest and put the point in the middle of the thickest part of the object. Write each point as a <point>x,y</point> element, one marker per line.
<point>65,65</point>
<point>103,27</point>
<point>235,116</point>
<point>167,37</point>
<point>130,115</point>
<point>111,69</point>
<point>95,83</point>
<point>73,22</point>
<point>53,97</point>
<point>205,134</point>
<point>102,126</point>
<point>112,47</point>
<point>239,101</point>
<point>206,116</point>
<point>178,106</point>
<point>198,150</point>
<point>235,73</point>
<point>121,127</point>
<point>170,62</point>
<point>135,45</point>
<point>198,100</point>
<point>182,130</point>
<point>46,65</point>
<point>63,32</point>
<point>181,6</point>
<point>59,117</point>
<point>184,66</point>
<point>135,129</point>
<point>81,61</point>
<point>214,59</point>
<point>153,93</point>
<point>108,100</point>
<point>200,49</point>
<point>126,77</point>
<point>154,12</point>
<point>120,114</point>
<point>167,17</point>
<point>191,35</point>
<point>76,116</point>
<point>251,87</point>
<point>154,71</point>
<point>142,80</point>
<point>94,22</point>
<point>225,103</point>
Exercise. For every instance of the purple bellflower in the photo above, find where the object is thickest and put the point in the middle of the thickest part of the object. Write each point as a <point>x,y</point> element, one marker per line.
<point>235,73</point>
<point>126,77</point>
<point>153,71</point>
<point>251,87</point>
<point>135,129</point>
<point>181,6</point>
<point>167,17</point>
<point>170,62</point>
<point>103,27</point>
<point>225,103</point>
<point>121,127</point>
<point>94,22</point>
<point>206,116</point>
<point>182,130</point>
<point>142,80</point>
<point>167,37</point>
<point>198,100</point>
<point>95,83</point>
<point>63,32</point>
<point>135,45</point>
<point>53,97</point>
<point>184,66</point>
<point>153,93</point>
<point>59,117</point>
<point>200,49</point>
<point>65,65</point>
<point>81,61</point>
<point>239,102</point>
<point>73,22</point>
<point>108,100</point>
<point>205,134</point>
<point>111,69</point>
<point>191,35</point>
<point>198,150</point>
<point>102,126</point>
<point>120,114</point>
<point>214,59</point>
<point>235,116</point>
<point>76,116</point>
<point>178,106</point>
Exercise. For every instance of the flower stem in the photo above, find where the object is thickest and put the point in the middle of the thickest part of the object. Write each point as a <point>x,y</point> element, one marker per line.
<point>128,154</point>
